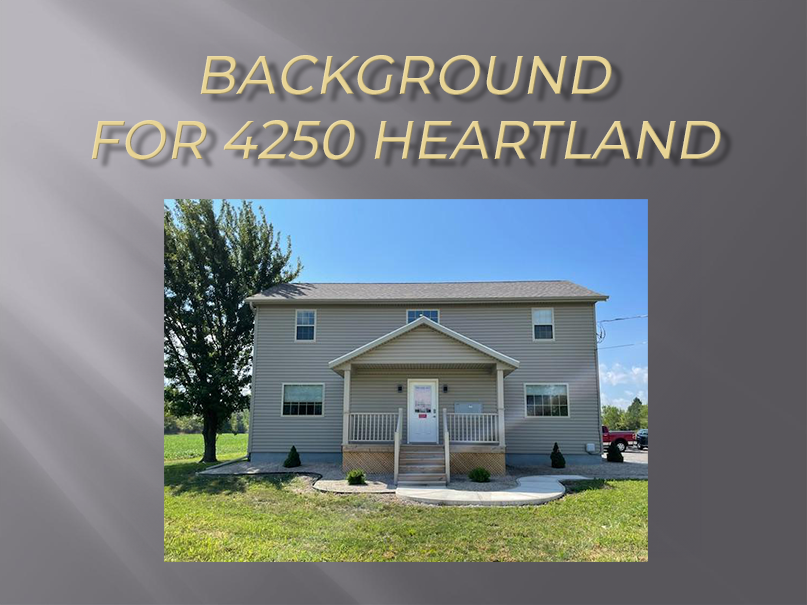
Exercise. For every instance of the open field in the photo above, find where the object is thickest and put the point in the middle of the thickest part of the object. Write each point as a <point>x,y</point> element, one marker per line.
<point>281,518</point>
<point>178,447</point>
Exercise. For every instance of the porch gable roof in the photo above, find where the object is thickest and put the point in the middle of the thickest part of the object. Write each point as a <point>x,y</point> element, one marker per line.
<point>423,321</point>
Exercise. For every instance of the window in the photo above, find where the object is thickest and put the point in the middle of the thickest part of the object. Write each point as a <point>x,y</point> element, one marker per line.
<point>543,324</point>
<point>302,399</point>
<point>306,325</point>
<point>413,314</point>
<point>547,400</point>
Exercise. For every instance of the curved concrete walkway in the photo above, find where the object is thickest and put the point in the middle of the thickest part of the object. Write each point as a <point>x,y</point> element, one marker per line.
<point>536,489</point>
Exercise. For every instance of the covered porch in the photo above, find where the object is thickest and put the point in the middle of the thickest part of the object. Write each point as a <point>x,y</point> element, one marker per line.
<point>423,385</point>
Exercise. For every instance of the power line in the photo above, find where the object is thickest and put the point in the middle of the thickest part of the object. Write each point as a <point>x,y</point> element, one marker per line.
<point>624,318</point>
<point>633,344</point>
<point>601,328</point>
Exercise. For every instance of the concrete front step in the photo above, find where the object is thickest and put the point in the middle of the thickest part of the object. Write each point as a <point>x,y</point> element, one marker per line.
<point>435,453</point>
<point>422,477</point>
<point>416,457</point>
<point>433,467</point>
<point>422,484</point>
<point>422,468</point>
<point>406,464</point>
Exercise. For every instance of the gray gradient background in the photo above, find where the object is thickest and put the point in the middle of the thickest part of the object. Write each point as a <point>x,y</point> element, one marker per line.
<point>81,500</point>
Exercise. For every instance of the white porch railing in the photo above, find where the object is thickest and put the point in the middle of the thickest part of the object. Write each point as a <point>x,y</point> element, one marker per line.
<point>447,446</point>
<point>473,428</point>
<point>397,447</point>
<point>372,426</point>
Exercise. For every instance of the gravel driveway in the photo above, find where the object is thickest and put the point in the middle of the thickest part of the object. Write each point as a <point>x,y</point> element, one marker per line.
<point>635,466</point>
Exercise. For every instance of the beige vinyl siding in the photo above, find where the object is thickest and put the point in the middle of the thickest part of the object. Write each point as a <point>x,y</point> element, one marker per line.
<point>507,328</point>
<point>569,359</point>
<point>423,345</point>
<point>374,390</point>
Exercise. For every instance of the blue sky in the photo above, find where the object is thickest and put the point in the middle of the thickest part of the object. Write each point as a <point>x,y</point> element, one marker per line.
<point>600,244</point>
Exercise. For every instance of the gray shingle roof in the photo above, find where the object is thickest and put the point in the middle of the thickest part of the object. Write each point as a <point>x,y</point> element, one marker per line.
<point>428,292</point>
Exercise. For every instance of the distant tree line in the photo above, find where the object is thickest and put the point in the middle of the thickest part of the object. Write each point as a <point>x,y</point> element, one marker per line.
<point>631,419</point>
<point>235,424</point>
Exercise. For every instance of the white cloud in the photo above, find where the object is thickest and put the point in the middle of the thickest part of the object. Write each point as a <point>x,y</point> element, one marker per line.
<point>619,402</point>
<point>619,374</point>
<point>623,402</point>
<point>620,384</point>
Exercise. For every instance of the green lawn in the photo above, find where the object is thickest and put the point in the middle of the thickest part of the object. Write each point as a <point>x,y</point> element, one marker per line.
<point>278,519</point>
<point>180,447</point>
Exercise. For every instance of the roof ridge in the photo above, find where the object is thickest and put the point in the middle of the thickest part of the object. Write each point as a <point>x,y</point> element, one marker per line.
<point>410,291</point>
<point>414,283</point>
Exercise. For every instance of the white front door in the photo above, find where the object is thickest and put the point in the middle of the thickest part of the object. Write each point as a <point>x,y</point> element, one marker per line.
<point>422,411</point>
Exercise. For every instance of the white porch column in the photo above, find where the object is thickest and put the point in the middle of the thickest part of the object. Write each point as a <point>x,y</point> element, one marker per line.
<point>346,408</point>
<point>500,403</point>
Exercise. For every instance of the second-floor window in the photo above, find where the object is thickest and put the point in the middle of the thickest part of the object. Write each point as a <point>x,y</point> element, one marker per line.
<point>306,326</point>
<point>543,324</point>
<point>413,314</point>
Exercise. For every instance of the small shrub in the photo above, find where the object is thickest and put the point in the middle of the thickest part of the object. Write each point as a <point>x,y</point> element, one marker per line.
<point>293,459</point>
<point>614,455</point>
<point>356,477</point>
<point>479,475</point>
<point>558,461</point>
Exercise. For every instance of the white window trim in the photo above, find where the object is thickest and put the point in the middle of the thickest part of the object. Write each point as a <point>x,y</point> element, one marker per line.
<point>406,316</point>
<point>302,384</point>
<point>544,384</point>
<point>296,325</point>
<point>533,324</point>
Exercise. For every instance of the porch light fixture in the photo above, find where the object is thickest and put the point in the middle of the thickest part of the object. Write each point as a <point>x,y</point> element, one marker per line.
<point>445,388</point>
<point>400,388</point>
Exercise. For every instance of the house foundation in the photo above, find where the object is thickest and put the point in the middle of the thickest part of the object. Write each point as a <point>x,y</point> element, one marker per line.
<point>369,458</point>
<point>466,458</point>
<point>380,458</point>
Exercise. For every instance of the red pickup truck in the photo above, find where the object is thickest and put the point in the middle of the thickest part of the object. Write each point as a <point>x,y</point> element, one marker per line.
<point>621,438</point>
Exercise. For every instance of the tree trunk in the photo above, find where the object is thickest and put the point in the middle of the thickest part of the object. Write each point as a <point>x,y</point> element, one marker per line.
<point>209,433</point>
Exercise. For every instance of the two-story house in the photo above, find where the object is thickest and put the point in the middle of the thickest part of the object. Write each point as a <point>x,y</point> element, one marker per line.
<point>426,376</point>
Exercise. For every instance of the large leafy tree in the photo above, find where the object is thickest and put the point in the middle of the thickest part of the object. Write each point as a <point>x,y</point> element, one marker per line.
<point>612,417</point>
<point>212,262</point>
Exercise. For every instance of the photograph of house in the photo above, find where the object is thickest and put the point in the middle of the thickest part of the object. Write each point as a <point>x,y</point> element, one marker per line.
<point>439,368</point>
